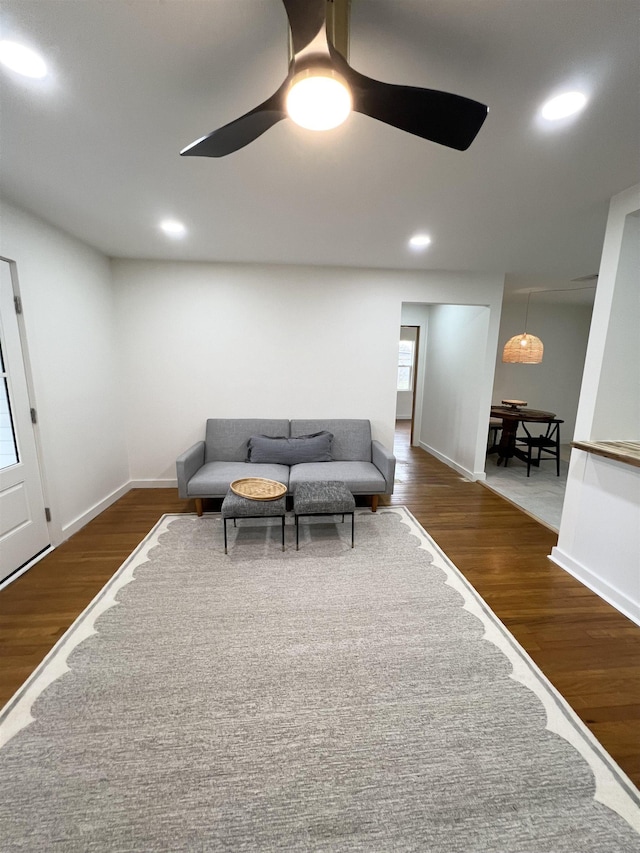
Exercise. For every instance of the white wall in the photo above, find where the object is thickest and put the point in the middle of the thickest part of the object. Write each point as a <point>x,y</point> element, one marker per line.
<point>404,405</point>
<point>69,317</point>
<point>616,414</point>
<point>129,358</point>
<point>599,538</point>
<point>220,340</point>
<point>457,361</point>
<point>554,384</point>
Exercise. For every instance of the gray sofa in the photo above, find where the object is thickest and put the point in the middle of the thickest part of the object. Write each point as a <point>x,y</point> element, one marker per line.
<point>207,469</point>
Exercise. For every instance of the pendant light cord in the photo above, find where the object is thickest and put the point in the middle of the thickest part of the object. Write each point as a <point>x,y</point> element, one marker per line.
<point>552,290</point>
<point>526,315</point>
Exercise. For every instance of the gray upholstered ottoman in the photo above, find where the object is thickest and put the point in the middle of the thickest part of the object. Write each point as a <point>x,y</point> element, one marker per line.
<point>331,497</point>
<point>235,506</point>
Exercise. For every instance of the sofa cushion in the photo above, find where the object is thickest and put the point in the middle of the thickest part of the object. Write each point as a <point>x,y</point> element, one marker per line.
<point>226,438</point>
<point>214,478</point>
<point>290,451</point>
<point>361,478</point>
<point>351,437</point>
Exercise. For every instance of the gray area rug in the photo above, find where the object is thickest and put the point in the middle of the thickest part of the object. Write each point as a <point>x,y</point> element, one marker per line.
<point>328,699</point>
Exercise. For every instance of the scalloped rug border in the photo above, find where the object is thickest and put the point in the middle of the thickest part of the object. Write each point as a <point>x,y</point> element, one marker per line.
<point>613,788</point>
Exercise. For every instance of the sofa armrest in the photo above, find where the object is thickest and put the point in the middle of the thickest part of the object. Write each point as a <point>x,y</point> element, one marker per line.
<point>186,466</point>
<point>385,462</point>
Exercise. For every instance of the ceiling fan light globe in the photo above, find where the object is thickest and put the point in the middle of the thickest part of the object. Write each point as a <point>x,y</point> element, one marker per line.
<point>318,99</point>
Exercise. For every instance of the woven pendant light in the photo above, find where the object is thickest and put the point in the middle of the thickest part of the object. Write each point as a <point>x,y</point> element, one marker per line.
<point>524,348</point>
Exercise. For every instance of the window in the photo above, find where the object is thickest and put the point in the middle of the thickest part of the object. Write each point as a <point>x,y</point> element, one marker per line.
<point>405,365</point>
<point>8,446</point>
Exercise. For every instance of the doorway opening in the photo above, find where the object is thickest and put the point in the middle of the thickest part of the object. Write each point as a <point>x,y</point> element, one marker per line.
<point>407,375</point>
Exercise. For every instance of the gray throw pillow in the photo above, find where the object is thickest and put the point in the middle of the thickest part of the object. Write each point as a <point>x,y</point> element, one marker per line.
<point>290,451</point>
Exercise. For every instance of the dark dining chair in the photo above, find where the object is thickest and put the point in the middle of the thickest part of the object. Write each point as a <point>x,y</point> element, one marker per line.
<point>495,427</point>
<point>547,443</point>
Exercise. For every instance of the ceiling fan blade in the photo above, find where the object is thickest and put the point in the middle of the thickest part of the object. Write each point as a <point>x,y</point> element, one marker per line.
<point>240,132</point>
<point>441,117</point>
<point>306,19</point>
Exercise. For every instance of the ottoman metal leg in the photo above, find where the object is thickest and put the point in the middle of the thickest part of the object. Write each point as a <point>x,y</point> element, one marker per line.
<point>224,522</point>
<point>331,497</point>
<point>236,506</point>
<point>353,525</point>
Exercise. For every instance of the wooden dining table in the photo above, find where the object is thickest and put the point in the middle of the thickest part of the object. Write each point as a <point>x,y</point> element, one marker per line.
<point>511,416</point>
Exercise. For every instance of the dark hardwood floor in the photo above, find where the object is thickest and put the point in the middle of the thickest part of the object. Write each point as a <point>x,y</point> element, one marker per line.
<point>589,651</point>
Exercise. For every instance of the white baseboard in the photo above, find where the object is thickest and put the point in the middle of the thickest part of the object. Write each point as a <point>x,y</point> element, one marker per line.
<point>26,567</point>
<point>94,511</point>
<point>63,533</point>
<point>627,606</point>
<point>469,475</point>
<point>153,484</point>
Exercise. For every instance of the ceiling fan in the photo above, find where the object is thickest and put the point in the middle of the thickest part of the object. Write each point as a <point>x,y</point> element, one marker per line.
<point>316,62</point>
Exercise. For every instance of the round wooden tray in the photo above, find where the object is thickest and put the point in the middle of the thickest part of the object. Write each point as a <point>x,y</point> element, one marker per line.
<point>258,489</point>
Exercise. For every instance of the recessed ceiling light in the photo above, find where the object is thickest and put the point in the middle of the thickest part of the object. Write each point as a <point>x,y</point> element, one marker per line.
<point>22,59</point>
<point>173,228</point>
<point>563,106</point>
<point>419,242</point>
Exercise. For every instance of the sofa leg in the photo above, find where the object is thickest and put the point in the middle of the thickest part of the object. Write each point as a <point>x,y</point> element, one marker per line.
<point>199,506</point>
<point>374,503</point>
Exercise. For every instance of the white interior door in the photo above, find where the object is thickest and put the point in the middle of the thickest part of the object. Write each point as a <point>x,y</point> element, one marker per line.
<point>24,531</point>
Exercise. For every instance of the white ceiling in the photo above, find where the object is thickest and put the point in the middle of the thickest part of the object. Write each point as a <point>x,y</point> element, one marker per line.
<point>95,148</point>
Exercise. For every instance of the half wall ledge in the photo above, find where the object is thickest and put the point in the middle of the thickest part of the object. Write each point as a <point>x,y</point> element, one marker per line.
<point>622,451</point>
